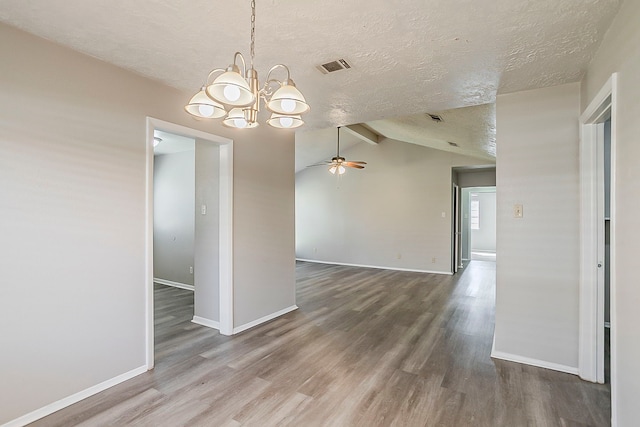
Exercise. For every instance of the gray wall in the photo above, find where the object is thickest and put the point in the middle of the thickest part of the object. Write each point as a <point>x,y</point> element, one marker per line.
<point>174,216</point>
<point>206,271</point>
<point>386,215</point>
<point>537,273</point>
<point>73,219</point>
<point>477,179</point>
<point>264,224</point>
<point>484,238</point>
<point>619,53</point>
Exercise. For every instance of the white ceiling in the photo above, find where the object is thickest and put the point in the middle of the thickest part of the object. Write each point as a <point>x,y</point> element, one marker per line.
<point>409,57</point>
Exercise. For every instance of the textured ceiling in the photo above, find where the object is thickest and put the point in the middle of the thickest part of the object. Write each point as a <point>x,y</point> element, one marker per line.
<point>408,56</point>
<point>472,129</point>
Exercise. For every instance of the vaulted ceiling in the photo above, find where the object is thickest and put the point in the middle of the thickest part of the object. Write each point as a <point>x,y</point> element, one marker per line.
<point>408,57</point>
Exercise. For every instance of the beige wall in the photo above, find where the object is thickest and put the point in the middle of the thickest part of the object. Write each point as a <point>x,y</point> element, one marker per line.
<point>386,215</point>
<point>620,52</point>
<point>72,200</point>
<point>538,255</point>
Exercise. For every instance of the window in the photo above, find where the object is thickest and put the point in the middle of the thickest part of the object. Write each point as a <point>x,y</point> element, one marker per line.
<point>475,214</point>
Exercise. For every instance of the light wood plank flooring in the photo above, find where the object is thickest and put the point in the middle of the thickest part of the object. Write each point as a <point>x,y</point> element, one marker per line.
<point>366,348</point>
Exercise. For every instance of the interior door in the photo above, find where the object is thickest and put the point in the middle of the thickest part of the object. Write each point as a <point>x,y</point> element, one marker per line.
<point>456,227</point>
<point>600,221</point>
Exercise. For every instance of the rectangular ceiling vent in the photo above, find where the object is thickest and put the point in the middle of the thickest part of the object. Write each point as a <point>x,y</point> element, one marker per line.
<point>337,65</point>
<point>435,118</point>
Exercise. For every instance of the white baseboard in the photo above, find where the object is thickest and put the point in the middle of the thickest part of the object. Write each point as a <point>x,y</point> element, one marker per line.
<point>264,319</point>
<point>534,362</point>
<point>448,273</point>
<point>174,284</point>
<point>74,398</point>
<point>206,322</point>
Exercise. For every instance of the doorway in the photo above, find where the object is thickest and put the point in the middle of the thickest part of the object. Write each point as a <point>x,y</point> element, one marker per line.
<point>222,208</point>
<point>476,179</point>
<point>478,229</point>
<point>174,217</point>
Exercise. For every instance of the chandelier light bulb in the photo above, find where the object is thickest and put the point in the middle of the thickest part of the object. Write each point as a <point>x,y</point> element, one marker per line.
<point>205,110</point>
<point>232,93</point>
<point>341,170</point>
<point>288,105</point>
<point>240,123</point>
<point>286,122</point>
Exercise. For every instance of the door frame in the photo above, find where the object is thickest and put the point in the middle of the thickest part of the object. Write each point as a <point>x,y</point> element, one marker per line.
<point>456,228</point>
<point>225,240</point>
<point>591,308</point>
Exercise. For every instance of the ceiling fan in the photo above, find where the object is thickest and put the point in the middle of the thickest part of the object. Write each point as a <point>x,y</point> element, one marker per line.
<point>338,163</point>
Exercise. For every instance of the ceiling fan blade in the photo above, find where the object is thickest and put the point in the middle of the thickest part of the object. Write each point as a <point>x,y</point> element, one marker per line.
<point>319,164</point>
<point>352,165</point>
<point>359,162</point>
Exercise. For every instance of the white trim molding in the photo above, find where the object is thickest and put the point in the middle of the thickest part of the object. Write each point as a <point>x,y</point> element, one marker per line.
<point>447,273</point>
<point>74,398</point>
<point>206,322</point>
<point>264,319</point>
<point>174,284</point>
<point>534,362</point>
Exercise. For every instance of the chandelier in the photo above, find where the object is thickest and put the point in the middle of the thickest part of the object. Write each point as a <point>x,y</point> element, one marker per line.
<point>236,96</point>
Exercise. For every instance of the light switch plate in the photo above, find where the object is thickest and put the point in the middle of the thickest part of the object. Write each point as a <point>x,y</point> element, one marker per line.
<point>518,211</point>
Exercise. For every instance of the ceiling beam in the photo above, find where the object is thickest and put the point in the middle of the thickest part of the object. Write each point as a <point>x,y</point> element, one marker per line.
<point>363,133</point>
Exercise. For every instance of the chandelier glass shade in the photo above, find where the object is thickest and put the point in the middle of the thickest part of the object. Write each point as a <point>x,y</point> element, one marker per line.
<point>203,107</point>
<point>236,94</point>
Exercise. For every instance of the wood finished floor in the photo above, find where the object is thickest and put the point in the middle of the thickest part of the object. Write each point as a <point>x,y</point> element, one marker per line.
<point>366,348</point>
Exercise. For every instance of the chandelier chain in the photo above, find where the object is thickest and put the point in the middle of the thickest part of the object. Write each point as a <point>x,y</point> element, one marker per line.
<point>253,30</point>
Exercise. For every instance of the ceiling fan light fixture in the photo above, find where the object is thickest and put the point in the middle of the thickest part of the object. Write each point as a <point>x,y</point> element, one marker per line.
<point>337,168</point>
<point>203,107</point>
<point>338,163</point>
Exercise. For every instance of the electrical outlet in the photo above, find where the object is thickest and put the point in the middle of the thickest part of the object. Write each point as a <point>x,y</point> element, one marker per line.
<point>399,256</point>
<point>433,260</point>
<point>191,269</point>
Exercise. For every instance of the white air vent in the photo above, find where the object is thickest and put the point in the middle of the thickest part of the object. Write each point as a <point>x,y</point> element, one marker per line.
<point>435,118</point>
<point>337,65</point>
